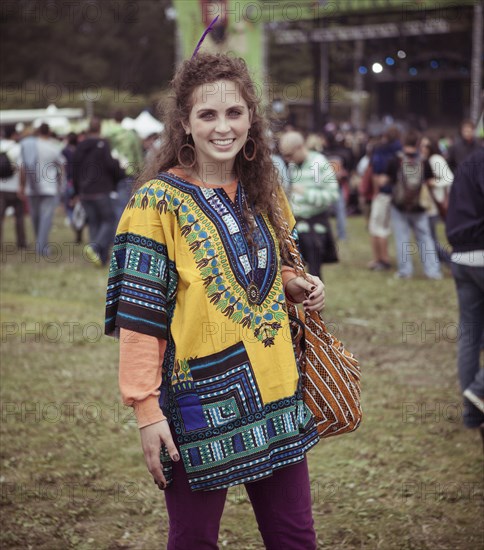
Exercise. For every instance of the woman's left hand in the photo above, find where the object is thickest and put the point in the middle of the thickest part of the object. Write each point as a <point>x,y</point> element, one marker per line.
<point>308,291</point>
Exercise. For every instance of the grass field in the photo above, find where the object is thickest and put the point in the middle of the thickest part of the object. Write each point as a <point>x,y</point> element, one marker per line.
<point>72,470</point>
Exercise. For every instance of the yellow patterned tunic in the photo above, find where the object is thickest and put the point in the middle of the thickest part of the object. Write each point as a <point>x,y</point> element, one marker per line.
<point>180,269</point>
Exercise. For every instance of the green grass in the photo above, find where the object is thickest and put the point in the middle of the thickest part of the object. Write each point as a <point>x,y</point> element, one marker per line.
<point>72,471</point>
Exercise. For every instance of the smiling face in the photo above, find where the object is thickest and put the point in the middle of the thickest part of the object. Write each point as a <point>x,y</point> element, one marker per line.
<point>219,123</point>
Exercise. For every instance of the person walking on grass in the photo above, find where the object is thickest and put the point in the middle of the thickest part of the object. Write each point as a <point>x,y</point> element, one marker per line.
<point>436,193</point>
<point>10,195</point>
<point>41,178</point>
<point>95,174</point>
<point>465,232</point>
<point>313,189</point>
<point>197,289</point>
<point>379,225</point>
<point>407,175</point>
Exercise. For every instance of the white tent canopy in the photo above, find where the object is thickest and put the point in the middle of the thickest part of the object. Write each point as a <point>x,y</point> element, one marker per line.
<point>12,116</point>
<point>145,125</point>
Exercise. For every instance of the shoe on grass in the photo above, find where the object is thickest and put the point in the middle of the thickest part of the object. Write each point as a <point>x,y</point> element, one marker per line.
<point>398,275</point>
<point>93,256</point>
<point>474,399</point>
<point>382,266</point>
<point>376,265</point>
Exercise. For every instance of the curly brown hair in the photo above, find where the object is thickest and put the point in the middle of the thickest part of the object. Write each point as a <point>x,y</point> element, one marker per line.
<point>259,177</point>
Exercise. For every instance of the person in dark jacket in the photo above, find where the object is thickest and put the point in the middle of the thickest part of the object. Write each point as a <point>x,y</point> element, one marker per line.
<point>466,144</point>
<point>95,175</point>
<point>465,232</point>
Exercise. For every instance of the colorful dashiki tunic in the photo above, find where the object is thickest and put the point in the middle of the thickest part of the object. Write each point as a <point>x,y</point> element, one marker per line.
<point>180,268</point>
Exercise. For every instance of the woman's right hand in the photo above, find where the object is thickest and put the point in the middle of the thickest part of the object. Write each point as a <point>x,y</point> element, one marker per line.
<point>152,438</point>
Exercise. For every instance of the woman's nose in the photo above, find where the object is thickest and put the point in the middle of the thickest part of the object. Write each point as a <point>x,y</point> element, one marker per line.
<point>222,125</point>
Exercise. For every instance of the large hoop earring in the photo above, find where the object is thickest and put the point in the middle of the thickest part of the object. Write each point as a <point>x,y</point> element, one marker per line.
<point>251,157</point>
<point>193,152</point>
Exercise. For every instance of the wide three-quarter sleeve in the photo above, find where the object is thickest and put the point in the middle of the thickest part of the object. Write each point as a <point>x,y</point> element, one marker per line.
<point>142,276</point>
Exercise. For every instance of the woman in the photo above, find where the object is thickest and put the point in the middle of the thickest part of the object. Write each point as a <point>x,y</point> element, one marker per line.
<point>442,180</point>
<point>196,291</point>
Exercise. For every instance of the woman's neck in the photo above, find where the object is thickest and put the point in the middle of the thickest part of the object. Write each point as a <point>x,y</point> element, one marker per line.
<point>213,174</point>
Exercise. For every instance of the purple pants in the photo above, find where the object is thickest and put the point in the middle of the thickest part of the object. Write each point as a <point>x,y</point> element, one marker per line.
<point>281,503</point>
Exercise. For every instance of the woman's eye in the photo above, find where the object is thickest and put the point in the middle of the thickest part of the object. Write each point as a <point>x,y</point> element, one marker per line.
<point>234,113</point>
<point>206,115</point>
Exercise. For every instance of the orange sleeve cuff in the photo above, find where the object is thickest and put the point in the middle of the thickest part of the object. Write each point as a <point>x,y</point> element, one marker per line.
<point>148,412</point>
<point>288,273</point>
<point>140,361</point>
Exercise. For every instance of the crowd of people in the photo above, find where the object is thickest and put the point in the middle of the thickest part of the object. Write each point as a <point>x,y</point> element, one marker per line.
<point>90,173</point>
<point>400,180</point>
<point>326,176</point>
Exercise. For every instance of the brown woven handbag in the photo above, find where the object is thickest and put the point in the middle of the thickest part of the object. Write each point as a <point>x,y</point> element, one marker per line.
<point>330,373</point>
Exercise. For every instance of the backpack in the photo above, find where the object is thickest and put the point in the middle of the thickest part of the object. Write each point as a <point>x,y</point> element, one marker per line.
<point>6,168</point>
<point>406,192</point>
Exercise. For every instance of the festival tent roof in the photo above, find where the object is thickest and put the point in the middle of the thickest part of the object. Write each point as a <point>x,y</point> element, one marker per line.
<point>49,115</point>
<point>145,125</point>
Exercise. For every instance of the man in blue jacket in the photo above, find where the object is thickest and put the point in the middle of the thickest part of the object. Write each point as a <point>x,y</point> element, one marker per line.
<point>465,232</point>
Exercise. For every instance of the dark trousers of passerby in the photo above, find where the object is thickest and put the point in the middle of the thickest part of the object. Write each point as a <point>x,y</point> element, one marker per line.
<point>7,199</point>
<point>69,208</point>
<point>312,248</point>
<point>281,503</point>
<point>101,221</point>
<point>316,243</point>
<point>469,282</point>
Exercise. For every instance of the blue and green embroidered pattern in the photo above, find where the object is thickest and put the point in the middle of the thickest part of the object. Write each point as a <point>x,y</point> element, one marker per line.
<point>213,228</point>
<point>225,432</point>
<point>142,281</point>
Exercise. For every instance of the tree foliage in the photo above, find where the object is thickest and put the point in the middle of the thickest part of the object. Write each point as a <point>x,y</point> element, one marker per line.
<point>119,44</point>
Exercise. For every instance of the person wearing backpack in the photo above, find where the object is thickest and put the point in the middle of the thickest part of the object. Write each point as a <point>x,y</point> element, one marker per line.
<point>407,175</point>
<point>10,195</point>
